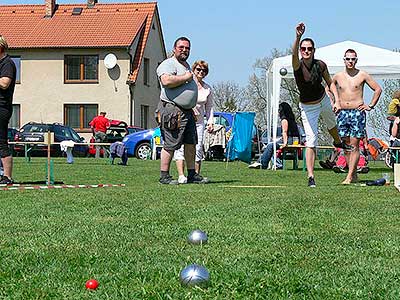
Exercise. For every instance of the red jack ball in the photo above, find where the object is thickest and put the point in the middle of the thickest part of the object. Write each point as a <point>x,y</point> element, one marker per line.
<point>92,284</point>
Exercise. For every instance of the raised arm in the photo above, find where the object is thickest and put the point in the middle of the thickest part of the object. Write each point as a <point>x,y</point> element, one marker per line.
<point>300,28</point>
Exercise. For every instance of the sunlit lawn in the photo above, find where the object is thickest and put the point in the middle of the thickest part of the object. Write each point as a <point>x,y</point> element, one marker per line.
<point>287,242</point>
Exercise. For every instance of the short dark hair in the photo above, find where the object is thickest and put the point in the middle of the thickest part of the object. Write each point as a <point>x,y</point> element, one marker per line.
<point>182,38</point>
<point>350,51</point>
<point>308,40</point>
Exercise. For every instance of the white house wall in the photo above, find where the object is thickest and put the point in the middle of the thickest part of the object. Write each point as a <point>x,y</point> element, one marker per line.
<point>43,93</point>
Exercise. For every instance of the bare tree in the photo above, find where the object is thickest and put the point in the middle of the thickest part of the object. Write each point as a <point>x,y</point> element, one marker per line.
<point>229,96</point>
<point>257,88</point>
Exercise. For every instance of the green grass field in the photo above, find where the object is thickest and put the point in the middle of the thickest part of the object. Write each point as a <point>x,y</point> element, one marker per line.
<point>331,242</point>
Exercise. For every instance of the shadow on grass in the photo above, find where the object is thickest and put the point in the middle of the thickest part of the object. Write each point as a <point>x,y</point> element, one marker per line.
<point>222,181</point>
<point>38,182</point>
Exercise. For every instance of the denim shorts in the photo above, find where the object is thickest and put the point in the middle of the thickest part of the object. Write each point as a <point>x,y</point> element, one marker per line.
<point>351,123</point>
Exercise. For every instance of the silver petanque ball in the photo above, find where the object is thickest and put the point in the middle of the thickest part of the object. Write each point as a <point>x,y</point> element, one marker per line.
<point>283,71</point>
<point>197,237</point>
<point>194,275</point>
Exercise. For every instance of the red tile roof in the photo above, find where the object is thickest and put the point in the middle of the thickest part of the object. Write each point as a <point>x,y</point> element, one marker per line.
<point>104,25</point>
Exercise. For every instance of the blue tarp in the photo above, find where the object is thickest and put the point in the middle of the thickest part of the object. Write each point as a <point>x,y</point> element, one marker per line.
<point>239,144</point>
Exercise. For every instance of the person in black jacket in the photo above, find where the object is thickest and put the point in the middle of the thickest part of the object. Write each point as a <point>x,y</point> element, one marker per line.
<point>8,74</point>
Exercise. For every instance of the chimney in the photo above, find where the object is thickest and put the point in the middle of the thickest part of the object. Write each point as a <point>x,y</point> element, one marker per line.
<point>50,8</point>
<point>91,3</point>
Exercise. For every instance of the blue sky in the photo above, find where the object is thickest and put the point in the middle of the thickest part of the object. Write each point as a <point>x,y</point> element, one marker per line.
<point>231,35</point>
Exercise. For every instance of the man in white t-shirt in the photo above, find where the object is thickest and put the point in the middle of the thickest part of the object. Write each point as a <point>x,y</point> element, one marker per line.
<point>177,123</point>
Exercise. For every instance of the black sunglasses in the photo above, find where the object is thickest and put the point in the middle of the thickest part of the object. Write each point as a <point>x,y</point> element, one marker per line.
<point>307,48</point>
<point>350,58</point>
<point>200,69</point>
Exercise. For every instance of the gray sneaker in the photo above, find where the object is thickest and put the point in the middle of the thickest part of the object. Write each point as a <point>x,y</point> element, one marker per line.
<point>197,178</point>
<point>168,180</point>
<point>4,180</point>
<point>311,182</point>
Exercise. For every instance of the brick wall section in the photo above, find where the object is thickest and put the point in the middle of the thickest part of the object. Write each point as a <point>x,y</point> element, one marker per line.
<point>50,8</point>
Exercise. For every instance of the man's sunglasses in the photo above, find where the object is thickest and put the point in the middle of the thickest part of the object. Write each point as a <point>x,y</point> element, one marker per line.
<point>200,69</point>
<point>307,48</point>
<point>350,58</point>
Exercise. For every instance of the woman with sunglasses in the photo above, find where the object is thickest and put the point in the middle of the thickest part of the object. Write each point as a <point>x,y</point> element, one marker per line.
<point>204,107</point>
<point>315,99</point>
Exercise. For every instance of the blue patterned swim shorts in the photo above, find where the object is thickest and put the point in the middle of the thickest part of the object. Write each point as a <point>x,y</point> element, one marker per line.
<point>351,123</point>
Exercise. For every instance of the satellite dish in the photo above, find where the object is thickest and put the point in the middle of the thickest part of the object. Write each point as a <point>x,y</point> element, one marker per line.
<point>110,61</point>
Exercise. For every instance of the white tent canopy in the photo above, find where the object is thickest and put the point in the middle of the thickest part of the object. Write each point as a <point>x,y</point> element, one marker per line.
<point>378,62</point>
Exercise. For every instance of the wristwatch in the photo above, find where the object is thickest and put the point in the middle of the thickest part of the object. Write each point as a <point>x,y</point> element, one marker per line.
<point>371,106</point>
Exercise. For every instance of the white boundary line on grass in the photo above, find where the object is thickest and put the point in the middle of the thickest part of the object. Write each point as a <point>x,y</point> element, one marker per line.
<point>252,186</point>
<point>21,187</point>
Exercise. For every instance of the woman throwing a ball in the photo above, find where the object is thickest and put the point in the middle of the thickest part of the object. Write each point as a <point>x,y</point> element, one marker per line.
<point>315,99</point>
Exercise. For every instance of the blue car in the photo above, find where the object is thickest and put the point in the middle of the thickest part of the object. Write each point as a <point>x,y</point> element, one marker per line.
<point>138,143</point>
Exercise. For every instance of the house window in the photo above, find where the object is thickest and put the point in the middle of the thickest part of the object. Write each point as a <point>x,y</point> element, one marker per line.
<point>81,69</point>
<point>144,116</point>
<point>78,116</point>
<point>146,71</point>
<point>17,62</point>
<point>15,121</point>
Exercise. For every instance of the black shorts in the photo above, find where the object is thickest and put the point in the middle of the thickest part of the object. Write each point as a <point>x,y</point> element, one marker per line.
<point>178,126</point>
<point>5,115</point>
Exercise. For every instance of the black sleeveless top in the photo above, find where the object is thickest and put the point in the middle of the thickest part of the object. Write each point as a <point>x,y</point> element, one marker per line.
<point>309,91</point>
<point>293,130</point>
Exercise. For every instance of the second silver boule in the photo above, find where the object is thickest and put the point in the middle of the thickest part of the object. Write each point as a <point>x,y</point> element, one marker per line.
<point>197,237</point>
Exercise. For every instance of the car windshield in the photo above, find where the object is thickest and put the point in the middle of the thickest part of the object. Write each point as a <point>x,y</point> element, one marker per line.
<point>66,132</point>
<point>75,136</point>
<point>35,128</point>
<point>62,131</point>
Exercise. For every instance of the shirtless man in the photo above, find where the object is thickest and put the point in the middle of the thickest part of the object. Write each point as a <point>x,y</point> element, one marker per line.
<point>347,87</point>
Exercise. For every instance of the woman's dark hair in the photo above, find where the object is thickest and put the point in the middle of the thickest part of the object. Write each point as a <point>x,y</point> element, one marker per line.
<point>286,112</point>
<point>316,73</point>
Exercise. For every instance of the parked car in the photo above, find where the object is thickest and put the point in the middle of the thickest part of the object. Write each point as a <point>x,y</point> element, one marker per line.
<point>138,144</point>
<point>119,129</point>
<point>34,132</point>
<point>133,129</point>
<point>11,132</point>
